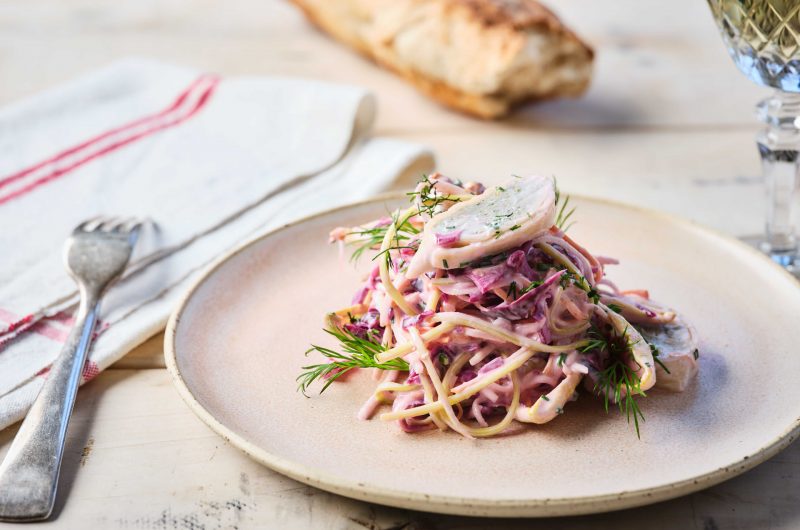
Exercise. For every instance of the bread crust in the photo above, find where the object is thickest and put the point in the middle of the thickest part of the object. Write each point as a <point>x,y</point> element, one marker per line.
<point>482,57</point>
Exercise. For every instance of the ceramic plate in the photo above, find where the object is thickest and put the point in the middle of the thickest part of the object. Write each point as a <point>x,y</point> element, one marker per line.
<point>235,345</point>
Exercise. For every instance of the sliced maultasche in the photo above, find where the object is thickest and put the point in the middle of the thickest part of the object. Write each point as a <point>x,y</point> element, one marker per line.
<point>501,218</point>
<point>676,344</point>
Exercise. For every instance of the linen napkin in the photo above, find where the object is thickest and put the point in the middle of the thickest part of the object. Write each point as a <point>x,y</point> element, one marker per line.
<point>210,161</point>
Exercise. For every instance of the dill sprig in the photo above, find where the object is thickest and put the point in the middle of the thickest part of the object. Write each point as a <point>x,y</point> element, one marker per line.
<point>563,214</point>
<point>370,238</point>
<point>614,378</point>
<point>582,283</point>
<point>428,197</point>
<point>356,353</point>
<point>617,379</point>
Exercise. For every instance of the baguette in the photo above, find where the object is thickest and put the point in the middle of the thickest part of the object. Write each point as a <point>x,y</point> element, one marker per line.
<point>482,57</point>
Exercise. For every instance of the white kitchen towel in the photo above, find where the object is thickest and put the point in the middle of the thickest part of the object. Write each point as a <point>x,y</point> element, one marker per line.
<point>211,161</point>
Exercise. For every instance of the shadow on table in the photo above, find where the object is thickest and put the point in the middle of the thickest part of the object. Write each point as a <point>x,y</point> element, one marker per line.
<point>593,111</point>
<point>79,440</point>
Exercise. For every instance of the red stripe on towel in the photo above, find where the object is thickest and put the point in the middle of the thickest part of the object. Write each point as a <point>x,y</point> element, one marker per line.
<point>177,103</point>
<point>90,371</point>
<point>169,117</point>
<point>46,330</point>
<point>40,327</point>
<point>14,322</point>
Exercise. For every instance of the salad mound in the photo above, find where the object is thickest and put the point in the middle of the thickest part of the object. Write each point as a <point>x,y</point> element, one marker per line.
<point>481,311</point>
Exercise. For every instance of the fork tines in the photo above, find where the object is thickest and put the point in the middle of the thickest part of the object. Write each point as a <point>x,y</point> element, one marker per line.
<point>117,225</point>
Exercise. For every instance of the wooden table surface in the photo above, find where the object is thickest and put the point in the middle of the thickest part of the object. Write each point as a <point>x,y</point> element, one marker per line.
<point>667,124</point>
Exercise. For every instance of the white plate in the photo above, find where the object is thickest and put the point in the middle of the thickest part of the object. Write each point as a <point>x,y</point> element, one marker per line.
<point>235,345</point>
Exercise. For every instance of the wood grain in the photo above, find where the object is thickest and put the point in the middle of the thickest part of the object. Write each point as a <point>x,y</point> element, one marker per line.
<point>137,457</point>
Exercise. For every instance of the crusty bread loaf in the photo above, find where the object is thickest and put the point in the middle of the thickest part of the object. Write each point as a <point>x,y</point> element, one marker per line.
<point>478,56</point>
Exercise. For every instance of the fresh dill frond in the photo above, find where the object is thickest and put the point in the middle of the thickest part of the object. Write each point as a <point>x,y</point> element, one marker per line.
<point>371,238</point>
<point>379,254</point>
<point>617,381</point>
<point>428,198</point>
<point>612,380</point>
<point>593,343</point>
<point>562,213</point>
<point>356,352</point>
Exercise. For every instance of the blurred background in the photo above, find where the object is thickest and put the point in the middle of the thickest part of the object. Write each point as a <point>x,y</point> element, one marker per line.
<point>668,121</point>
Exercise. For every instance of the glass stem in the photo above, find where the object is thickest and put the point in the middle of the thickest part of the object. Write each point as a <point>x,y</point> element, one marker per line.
<point>779,147</point>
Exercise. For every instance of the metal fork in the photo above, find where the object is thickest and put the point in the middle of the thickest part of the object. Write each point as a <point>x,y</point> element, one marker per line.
<point>95,255</point>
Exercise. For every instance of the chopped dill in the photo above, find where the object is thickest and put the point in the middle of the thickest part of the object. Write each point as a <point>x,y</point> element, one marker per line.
<point>530,287</point>
<point>656,352</point>
<point>444,360</point>
<point>485,261</point>
<point>512,291</point>
<point>582,283</point>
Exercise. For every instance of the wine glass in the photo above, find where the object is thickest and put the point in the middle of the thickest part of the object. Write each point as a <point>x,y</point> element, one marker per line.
<point>763,38</point>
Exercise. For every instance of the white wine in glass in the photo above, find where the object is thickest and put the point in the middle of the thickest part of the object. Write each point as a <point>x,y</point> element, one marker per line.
<point>763,38</point>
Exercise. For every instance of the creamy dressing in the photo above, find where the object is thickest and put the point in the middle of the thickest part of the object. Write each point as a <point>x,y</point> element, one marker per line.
<point>515,332</point>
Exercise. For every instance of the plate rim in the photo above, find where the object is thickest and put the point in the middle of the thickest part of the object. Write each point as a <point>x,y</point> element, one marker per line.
<point>456,505</point>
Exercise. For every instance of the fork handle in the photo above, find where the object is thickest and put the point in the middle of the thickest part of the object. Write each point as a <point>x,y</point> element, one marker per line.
<point>29,473</point>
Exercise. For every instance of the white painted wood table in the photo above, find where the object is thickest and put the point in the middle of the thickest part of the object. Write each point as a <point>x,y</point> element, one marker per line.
<point>667,124</point>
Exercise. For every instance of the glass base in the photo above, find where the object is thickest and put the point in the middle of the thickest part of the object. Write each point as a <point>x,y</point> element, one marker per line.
<point>789,260</point>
